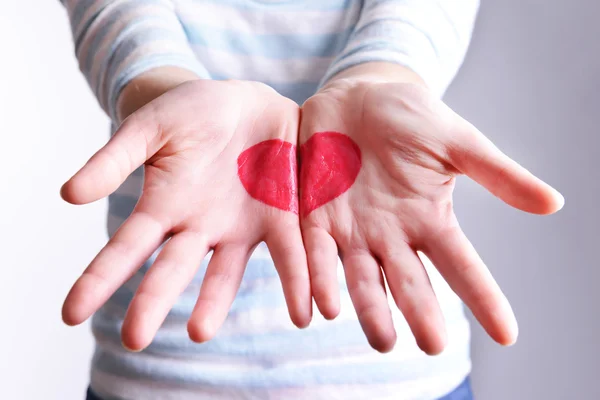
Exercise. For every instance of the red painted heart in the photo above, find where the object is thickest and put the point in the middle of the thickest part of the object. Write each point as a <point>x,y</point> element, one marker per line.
<point>329,165</point>
<point>268,171</point>
<point>330,162</point>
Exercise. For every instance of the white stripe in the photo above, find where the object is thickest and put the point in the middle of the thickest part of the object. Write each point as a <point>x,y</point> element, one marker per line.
<point>263,321</point>
<point>396,9</point>
<point>261,252</point>
<point>423,389</point>
<point>272,21</point>
<point>276,319</point>
<point>262,69</point>
<point>405,352</point>
<point>426,67</point>
<point>166,47</point>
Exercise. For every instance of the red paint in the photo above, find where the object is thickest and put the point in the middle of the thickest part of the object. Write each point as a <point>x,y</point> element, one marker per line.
<point>268,171</point>
<point>329,165</point>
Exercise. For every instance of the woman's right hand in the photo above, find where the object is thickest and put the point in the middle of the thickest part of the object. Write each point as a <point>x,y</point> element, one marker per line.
<point>220,173</point>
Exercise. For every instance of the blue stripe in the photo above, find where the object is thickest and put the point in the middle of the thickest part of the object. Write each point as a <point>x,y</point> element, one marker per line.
<point>184,306</point>
<point>292,46</point>
<point>256,269</point>
<point>77,16</point>
<point>286,5</point>
<point>247,298</point>
<point>106,28</point>
<point>136,35</point>
<point>392,28</point>
<point>462,392</point>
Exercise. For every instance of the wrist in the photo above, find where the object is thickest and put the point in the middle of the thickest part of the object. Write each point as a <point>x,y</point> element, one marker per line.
<point>374,72</point>
<point>149,85</point>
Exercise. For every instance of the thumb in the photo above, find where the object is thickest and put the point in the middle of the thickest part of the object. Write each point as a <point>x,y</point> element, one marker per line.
<point>131,145</point>
<point>477,157</point>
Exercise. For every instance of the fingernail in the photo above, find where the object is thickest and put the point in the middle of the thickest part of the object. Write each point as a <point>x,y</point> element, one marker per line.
<point>560,199</point>
<point>130,350</point>
<point>203,331</point>
<point>513,328</point>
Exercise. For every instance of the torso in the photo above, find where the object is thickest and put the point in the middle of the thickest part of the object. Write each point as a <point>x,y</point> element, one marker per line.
<point>259,353</point>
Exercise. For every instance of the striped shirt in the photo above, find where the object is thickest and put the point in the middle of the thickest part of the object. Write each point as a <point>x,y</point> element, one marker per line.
<point>294,46</point>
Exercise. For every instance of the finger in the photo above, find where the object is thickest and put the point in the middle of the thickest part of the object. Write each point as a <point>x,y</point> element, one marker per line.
<point>476,156</point>
<point>322,256</point>
<point>219,288</point>
<point>131,145</point>
<point>460,265</point>
<point>132,244</point>
<point>414,296</point>
<point>168,277</point>
<point>367,291</point>
<point>287,250</point>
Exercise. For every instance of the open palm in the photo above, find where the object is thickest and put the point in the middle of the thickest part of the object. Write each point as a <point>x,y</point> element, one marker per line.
<point>403,148</point>
<point>193,142</point>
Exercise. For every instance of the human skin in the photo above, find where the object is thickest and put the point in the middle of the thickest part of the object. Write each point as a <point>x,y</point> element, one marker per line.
<point>412,148</point>
<point>188,134</point>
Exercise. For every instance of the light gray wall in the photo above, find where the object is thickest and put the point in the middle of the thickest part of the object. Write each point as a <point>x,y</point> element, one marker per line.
<point>530,82</point>
<point>49,125</point>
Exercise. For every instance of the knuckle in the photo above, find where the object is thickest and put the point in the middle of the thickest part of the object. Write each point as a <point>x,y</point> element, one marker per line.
<point>219,277</point>
<point>366,310</point>
<point>363,283</point>
<point>98,279</point>
<point>121,247</point>
<point>406,283</point>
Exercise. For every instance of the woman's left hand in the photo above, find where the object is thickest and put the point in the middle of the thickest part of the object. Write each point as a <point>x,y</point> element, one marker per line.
<point>378,163</point>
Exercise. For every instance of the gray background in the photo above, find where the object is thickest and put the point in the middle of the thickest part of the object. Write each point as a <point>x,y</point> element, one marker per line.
<point>529,82</point>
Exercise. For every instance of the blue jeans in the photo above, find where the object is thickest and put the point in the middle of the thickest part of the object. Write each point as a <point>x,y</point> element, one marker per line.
<point>462,392</point>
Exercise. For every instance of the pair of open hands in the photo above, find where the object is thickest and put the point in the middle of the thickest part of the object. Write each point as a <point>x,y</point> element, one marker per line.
<point>405,146</point>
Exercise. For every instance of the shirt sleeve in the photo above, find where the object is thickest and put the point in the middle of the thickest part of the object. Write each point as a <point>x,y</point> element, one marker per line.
<point>116,40</point>
<point>430,37</point>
